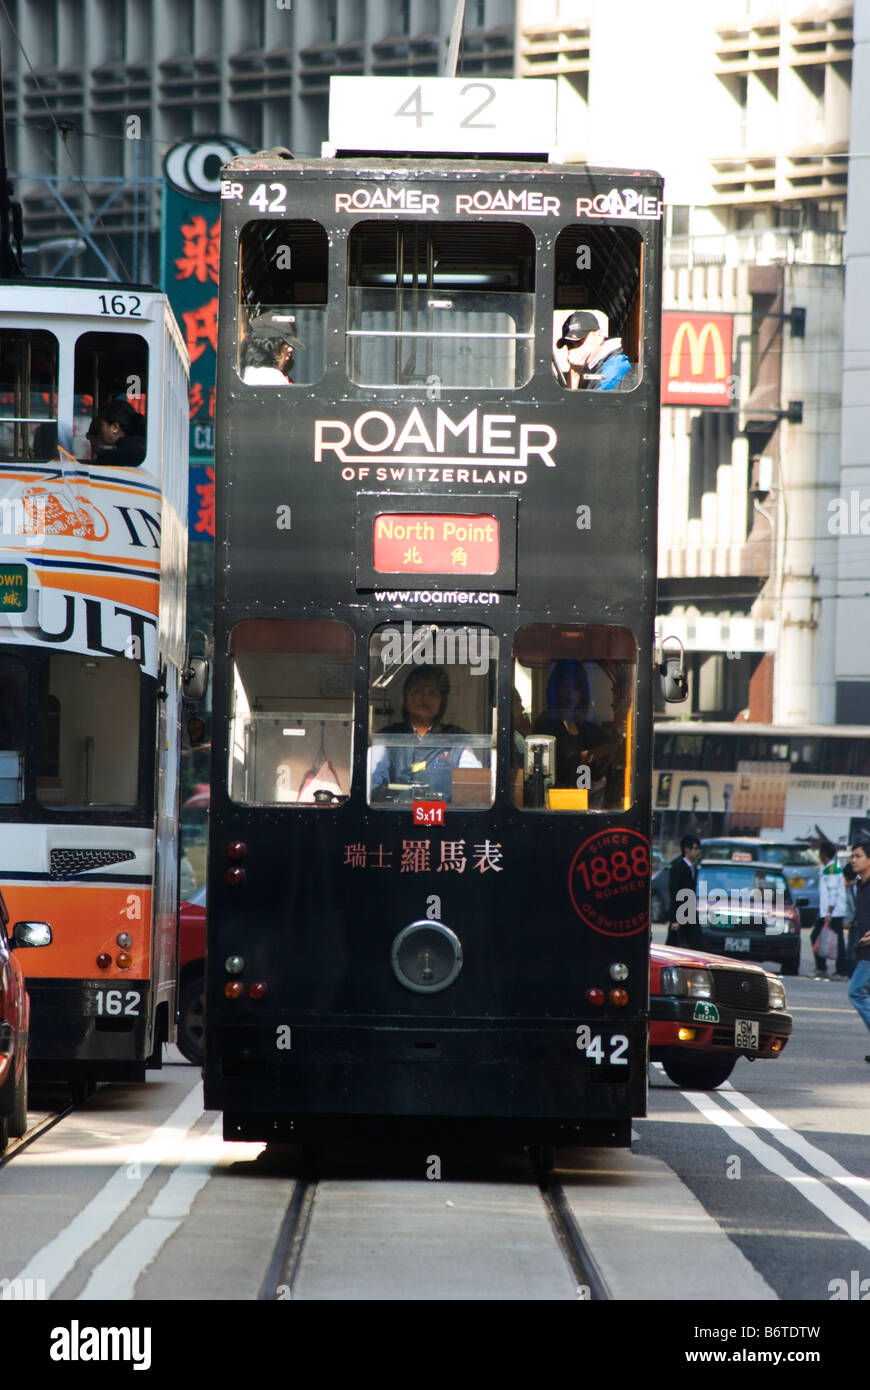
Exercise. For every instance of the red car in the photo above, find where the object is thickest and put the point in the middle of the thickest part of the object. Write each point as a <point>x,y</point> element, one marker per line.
<point>706,1011</point>
<point>15,1022</point>
<point>191,977</point>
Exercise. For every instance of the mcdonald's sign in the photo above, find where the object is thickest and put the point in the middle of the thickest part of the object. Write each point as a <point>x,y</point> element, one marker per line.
<point>696,358</point>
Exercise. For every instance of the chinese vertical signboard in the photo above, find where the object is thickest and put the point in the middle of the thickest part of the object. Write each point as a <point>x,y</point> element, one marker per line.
<point>696,358</point>
<point>190,254</point>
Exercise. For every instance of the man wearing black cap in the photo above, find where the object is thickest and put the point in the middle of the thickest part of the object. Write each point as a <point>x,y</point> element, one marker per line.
<point>267,352</point>
<point>594,360</point>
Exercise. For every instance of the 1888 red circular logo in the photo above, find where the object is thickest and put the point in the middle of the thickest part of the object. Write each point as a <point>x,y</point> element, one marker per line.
<point>609,882</point>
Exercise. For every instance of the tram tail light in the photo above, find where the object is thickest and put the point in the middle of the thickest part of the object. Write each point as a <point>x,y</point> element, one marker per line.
<point>104,960</point>
<point>236,849</point>
<point>235,876</point>
<point>595,996</point>
<point>619,997</point>
<point>258,990</point>
<point>233,989</point>
<point>123,960</point>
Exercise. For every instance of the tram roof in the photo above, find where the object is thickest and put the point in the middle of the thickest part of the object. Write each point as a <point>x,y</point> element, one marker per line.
<point>357,163</point>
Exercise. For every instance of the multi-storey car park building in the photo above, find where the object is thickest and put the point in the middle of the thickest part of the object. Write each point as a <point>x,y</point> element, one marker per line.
<point>757,113</point>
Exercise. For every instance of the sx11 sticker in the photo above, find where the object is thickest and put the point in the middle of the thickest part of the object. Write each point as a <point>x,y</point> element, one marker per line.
<point>609,882</point>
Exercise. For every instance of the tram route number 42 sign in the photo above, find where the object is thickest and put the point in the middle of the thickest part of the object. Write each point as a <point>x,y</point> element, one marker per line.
<point>463,115</point>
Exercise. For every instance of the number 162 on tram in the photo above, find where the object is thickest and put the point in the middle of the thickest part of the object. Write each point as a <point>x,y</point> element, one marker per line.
<point>435,509</point>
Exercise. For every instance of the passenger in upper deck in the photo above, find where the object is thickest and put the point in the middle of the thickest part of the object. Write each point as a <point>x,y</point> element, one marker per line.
<point>595,362</point>
<point>268,348</point>
<point>117,436</point>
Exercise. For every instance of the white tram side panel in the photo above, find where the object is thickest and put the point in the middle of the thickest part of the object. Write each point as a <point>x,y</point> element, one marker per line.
<point>100,551</point>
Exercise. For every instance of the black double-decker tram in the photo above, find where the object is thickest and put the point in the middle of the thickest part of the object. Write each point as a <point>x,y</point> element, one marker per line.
<point>436,477</point>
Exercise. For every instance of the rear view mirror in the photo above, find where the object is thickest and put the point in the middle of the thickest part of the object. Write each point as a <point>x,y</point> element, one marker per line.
<point>194,678</point>
<point>31,934</point>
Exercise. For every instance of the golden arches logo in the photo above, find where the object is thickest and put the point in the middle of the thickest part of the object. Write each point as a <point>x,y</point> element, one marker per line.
<point>697,344</point>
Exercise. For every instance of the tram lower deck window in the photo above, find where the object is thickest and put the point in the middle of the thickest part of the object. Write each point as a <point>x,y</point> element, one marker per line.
<point>447,303</point>
<point>573,718</point>
<point>88,732</point>
<point>291,718</point>
<point>432,714</point>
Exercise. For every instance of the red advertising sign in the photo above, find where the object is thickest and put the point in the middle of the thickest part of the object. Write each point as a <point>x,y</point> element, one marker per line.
<point>696,358</point>
<point>435,543</point>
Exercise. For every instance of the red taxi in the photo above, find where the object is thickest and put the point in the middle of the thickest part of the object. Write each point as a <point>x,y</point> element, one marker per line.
<point>15,1022</point>
<point>706,1011</point>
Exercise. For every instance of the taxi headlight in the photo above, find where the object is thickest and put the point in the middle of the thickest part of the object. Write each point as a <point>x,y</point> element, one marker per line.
<point>775,993</point>
<point>690,984</point>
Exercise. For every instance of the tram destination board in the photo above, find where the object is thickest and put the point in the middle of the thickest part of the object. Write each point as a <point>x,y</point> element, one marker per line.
<point>438,385</point>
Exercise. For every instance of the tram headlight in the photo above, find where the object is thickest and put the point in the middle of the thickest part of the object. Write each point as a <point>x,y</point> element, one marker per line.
<point>618,971</point>
<point>426,957</point>
<point>234,965</point>
<point>124,940</point>
<point>691,984</point>
<point>775,993</point>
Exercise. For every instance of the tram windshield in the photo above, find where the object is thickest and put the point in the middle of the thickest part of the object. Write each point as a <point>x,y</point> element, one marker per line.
<point>432,713</point>
<point>573,717</point>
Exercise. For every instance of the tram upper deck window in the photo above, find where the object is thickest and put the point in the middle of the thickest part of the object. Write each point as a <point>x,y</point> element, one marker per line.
<point>291,718</point>
<point>572,738</point>
<point>597,317</point>
<point>451,303</point>
<point>110,418</point>
<point>28,394</point>
<point>432,714</point>
<point>282,302</point>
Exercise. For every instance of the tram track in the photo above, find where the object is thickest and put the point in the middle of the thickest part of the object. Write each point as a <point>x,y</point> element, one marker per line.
<point>299,1240</point>
<point>36,1131</point>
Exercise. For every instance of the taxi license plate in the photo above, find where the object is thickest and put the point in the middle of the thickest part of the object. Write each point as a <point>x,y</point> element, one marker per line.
<point>746,1033</point>
<point>737,943</point>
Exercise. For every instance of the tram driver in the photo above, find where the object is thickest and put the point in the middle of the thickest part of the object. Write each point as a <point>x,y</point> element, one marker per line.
<point>421,763</point>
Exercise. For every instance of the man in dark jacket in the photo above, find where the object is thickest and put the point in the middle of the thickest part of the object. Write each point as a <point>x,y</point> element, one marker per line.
<point>859,984</point>
<point>683,916</point>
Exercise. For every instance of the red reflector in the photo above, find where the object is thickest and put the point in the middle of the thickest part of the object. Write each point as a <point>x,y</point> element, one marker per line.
<point>595,996</point>
<point>236,849</point>
<point>619,997</point>
<point>257,990</point>
<point>104,960</point>
<point>233,989</point>
<point>235,876</point>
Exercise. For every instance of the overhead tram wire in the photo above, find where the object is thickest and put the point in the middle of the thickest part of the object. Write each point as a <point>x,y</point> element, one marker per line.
<point>76,172</point>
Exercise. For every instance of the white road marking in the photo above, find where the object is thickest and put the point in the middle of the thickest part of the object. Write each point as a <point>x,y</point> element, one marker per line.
<point>115,1277</point>
<point>56,1259</point>
<point>816,1158</point>
<point>856,1227</point>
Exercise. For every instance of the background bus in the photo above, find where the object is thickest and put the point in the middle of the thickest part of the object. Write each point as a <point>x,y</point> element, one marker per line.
<point>758,779</point>
<point>92,576</point>
<point>447,928</point>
